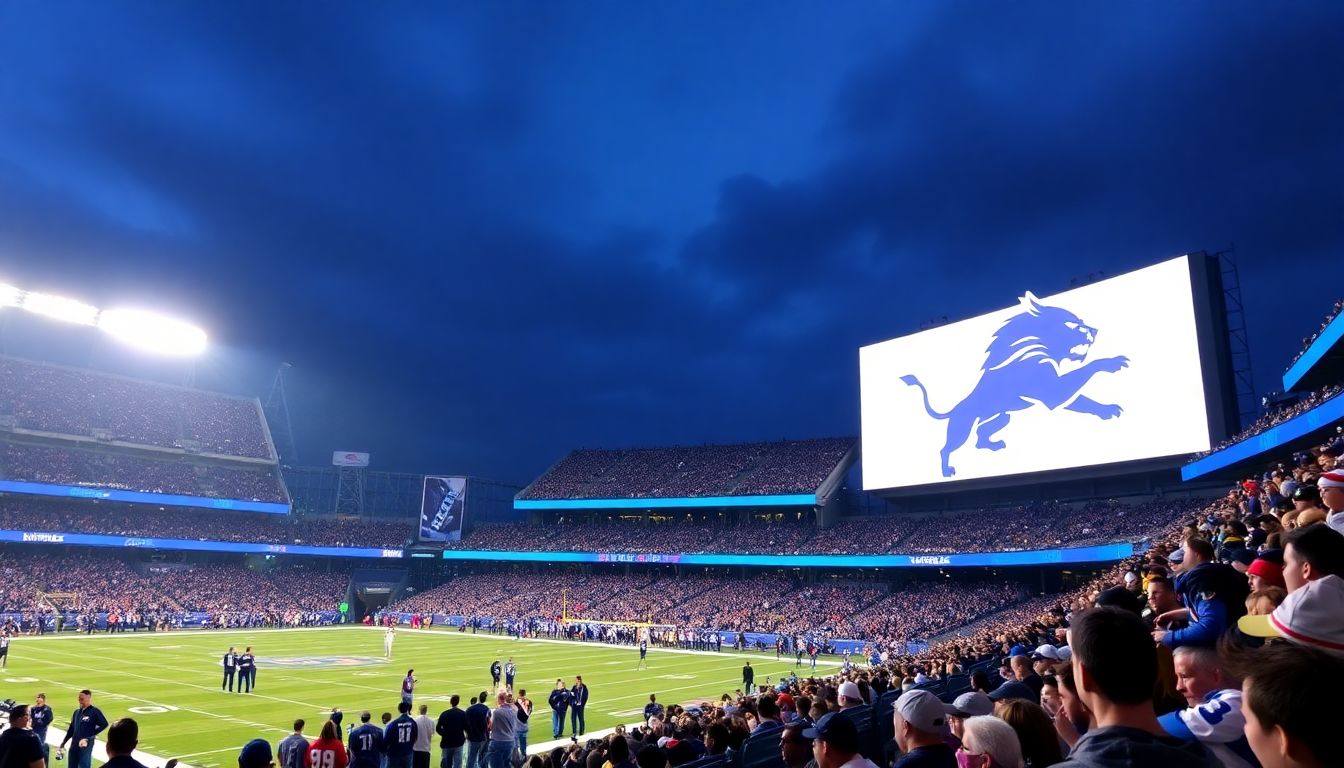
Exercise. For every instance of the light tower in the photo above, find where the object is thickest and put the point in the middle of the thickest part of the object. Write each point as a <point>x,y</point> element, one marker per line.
<point>277,414</point>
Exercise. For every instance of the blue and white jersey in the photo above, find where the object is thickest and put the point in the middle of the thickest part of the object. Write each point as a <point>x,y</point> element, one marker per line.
<point>1217,724</point>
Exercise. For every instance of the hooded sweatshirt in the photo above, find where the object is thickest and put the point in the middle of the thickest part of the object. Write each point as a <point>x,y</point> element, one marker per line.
<point>1119,746</point>
<point>1216,596</point>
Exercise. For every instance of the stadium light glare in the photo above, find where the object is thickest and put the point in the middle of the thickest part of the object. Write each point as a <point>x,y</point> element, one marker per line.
<point>60,308</point>
<point>152,332</point>
<point>9,295</point>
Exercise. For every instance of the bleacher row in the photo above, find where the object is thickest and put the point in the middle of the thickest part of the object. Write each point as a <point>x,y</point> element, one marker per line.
<point>18,513</point>
<point>1040,526</point>
<point>1034,526</point>
<point>746,469</point>
<point>67,401</point>
<point>65,465</point>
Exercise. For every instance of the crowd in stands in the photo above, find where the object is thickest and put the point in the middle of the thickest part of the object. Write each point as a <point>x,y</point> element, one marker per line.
<point>1035,526</point>
<point>17,513</point>
<point>828,610</point>
<point>1307,341</point>
<point>1277,416</point>
<point>68,401</point>
<point>88,584</point>
<point>750,469</point>
<point>1214,648</point>
<point>60,465</point>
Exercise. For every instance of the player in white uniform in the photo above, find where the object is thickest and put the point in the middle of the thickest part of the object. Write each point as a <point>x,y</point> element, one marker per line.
<point>387,642</point>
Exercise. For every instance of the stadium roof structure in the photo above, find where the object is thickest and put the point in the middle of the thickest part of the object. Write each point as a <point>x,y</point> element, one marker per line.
<point>778,474</point>
<point>1300,432</point>
<point>1321,362</point>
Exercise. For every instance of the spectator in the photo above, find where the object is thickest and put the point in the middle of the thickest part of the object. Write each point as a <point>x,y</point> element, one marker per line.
<point>849,695</point>
<point>452,730</point>
<point>1073,719</point>
<point>1310,553</point>
<point>327,749</point>
<point>1281,682</point>
<point>990,743</point>
<point>1263,602</point>
<point>1213,716</point>
<point>1331,485</point>
<point>400,737</point>
<point>478,726</point>
<point>618,753</point>
<point>255,753</point>
<point>967,705</point>
<point>1263,573</point>
<point>1115,669</point>
<point>1309,616</point>
<point>920,724</point>
<point>503,732</point>
<point>1035,732</point>
<point>835,742</point>
<point>795,749</point>
<point>293,749</point>
<point>19,746</point>
<point>1026,674</point>
<point>1213,593</point>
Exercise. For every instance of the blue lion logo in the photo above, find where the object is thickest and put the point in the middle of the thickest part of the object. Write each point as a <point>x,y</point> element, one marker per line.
<point>1021,369</point>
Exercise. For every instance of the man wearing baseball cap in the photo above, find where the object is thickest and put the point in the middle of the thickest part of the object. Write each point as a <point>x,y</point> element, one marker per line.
<point>1312,616</point>
<point>1332,496</point>
<point>1043,658</point>
<point>835,743</point>
<point>920,724</point>
<point>849,695</point>
<point>967,705</point>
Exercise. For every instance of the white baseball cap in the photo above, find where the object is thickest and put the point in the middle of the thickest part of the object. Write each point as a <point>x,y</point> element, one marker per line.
<point>1046,651</point>
<point>1308,616</point>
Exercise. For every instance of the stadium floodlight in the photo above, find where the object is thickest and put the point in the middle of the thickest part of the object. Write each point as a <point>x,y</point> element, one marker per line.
<point>60,308</point>
<point>152,332</point>
<point>9,296</point>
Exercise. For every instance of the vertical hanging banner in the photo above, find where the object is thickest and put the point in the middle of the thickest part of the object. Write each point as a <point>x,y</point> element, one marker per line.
<point>442,507</point>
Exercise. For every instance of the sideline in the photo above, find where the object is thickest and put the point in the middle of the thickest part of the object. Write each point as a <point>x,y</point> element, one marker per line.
<point>728,654</point>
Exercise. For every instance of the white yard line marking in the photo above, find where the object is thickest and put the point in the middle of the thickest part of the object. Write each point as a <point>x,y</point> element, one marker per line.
<point>214,715</point>
<point>210,752</point>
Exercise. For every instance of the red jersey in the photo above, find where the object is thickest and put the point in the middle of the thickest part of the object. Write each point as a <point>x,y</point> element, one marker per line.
<point>326,753</point>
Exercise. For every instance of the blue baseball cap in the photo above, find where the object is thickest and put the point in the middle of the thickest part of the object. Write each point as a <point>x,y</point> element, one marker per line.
<point>256,754</point>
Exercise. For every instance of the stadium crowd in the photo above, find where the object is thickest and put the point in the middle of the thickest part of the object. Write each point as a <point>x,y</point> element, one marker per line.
<point>1307,341</point>
<point>1277,416</point>
<point>61,465</point>
<point>68,401</point>
<point>1214,648</point>
<point>1035,526</point>
<point>17,513</point>
<point>791,466</point>
<point>89,585</point>
<point>849,610</point>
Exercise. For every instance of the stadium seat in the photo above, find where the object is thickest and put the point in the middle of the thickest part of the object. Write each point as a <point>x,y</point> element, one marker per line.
<point>882,726</point>
<point>708,761</point>
<point>956,685</point>
<point>761,750</point>
<point>862,717</point>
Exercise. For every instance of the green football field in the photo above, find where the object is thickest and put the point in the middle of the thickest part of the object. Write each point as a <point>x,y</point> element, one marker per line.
<point>170,682</point>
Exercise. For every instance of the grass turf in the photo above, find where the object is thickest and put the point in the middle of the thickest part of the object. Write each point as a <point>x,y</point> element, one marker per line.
<point>170,681</point>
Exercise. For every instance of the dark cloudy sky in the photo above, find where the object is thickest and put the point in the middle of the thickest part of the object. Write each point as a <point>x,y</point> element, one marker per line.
<point>486,233</point>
